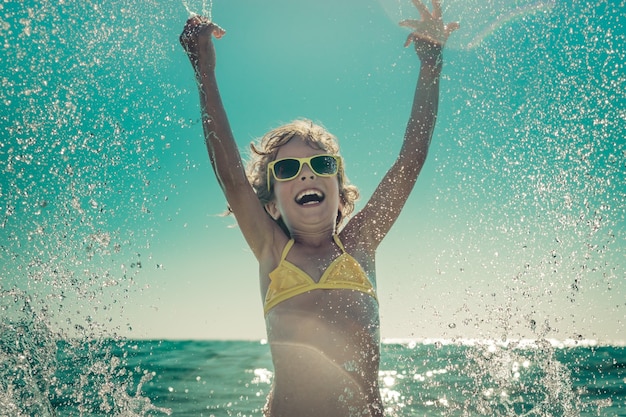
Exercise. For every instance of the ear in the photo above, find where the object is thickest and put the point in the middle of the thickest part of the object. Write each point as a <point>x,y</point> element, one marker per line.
<point>342,201</point>
<point>340,211</point>
<point>272,209</point>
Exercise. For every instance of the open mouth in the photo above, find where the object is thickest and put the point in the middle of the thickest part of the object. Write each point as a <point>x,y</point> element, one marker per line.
<point>308,197</point>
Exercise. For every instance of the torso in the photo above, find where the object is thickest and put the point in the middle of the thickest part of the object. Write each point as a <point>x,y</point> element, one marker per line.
<point>325,348</point>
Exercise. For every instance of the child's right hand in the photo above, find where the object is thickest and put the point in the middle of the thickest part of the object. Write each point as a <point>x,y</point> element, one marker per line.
<point>429,34</point>
<point>196,39</point>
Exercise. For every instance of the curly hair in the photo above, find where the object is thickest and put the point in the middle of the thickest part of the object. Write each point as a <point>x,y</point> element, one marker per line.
<point>314,135</point>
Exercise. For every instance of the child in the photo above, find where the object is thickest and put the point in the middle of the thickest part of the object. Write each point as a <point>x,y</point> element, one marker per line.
<point>318,280</point>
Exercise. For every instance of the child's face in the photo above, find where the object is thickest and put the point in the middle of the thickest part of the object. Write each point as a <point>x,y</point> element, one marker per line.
<point>309,202</point>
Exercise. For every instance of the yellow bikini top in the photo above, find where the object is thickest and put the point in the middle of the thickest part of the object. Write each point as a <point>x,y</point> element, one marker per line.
<point>287,280</point>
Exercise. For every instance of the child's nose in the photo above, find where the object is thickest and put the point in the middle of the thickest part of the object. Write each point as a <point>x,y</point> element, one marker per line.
<point>306,172</point>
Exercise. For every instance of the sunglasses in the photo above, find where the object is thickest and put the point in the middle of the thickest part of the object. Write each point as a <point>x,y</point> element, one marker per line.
<point>288,168</point>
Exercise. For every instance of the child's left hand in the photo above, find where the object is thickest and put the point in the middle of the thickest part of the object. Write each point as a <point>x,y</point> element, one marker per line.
<point>196,39</point>
<point>430,31</point>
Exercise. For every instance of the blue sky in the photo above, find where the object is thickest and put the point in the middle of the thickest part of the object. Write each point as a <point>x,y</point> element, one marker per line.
<point>515,228</point>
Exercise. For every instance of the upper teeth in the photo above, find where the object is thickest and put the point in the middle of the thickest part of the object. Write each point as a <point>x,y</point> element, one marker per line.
<point>305,193</point>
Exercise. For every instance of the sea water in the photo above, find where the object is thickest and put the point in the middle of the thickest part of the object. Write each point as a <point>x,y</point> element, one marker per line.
<point>233,378</point>
<point>109,226</point>
<point>44,374</point>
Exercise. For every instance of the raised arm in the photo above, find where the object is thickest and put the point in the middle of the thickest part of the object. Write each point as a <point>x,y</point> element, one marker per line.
<point>256,226</point>
<point>429,36</point>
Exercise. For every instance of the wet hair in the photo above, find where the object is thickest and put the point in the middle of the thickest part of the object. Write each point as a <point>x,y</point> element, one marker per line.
<point>314,135</point>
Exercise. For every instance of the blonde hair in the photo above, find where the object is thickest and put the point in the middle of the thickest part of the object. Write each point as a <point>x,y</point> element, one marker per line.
<point>314,135</point>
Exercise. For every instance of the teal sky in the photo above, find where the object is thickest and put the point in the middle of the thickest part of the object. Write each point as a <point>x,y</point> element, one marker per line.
<point>111,213</point>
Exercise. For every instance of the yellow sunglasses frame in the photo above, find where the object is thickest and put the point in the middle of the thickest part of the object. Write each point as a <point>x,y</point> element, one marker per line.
<point>302,161</point>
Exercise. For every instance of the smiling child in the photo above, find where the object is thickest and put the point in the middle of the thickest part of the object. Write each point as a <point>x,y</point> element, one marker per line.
<point>293,205</point>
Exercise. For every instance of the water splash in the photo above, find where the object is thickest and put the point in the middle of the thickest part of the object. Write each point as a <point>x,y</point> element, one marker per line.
<point>104,385</point>
<point>27,358</point>
<point>396,10</point>
<point>42,369</point>
<point>73,226</point>
<point>207,8</point>
<point>518,14</point>
<point>521,382</point>
<point>81,168</point>
<point>479,20</point>
<point>487,378</point>
<point>540,178</point>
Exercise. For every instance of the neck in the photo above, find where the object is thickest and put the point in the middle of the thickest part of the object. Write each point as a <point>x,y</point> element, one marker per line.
<point>316,239</point>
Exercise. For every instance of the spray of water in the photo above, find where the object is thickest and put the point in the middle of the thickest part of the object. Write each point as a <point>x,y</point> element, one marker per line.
<point>81,172</point>
<point>479,20</point>
<point>396,10</point>
<point>506,382</point>
<point>207,8</point>
<point>27,358</point>
<point>541,171</point>
<point>517,14</point>
<point>74,227</point>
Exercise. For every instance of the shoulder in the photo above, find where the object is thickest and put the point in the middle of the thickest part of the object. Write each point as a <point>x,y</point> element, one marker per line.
<point>355,236</point>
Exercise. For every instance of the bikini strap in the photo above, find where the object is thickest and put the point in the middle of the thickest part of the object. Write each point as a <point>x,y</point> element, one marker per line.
<point>286,249</point>
<point>338,242</point>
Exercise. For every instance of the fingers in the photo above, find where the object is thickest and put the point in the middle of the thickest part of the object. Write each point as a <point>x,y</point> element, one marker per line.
<point>410,23</point>
<point>197,24</point>
<point>451,27</point>
<point>409,39</point>
<point>437,14</point>
<point>197,19</point>
<point>424,12</point>
<point>430,28</point>
<point>218,32</point>
<point>192,26</point>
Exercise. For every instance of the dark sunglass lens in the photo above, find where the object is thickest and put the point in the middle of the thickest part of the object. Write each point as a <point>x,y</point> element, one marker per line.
<point>324,164</point>
<point>286,168</point>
